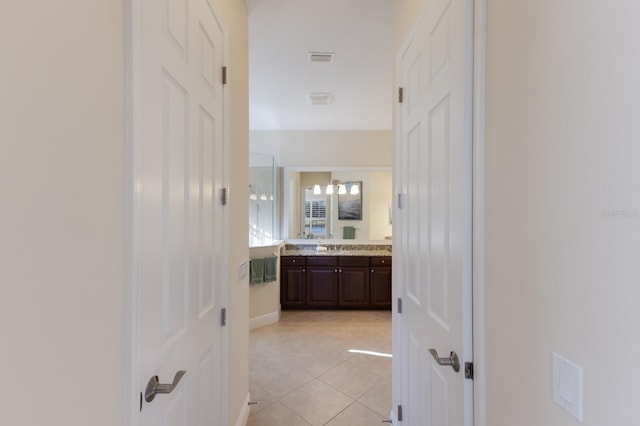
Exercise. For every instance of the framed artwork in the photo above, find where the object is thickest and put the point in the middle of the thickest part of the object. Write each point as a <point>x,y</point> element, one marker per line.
<point>350,205</point>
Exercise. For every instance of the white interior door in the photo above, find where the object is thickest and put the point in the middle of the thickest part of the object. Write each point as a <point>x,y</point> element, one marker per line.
<point>433,235</point>
<point>179,173</point>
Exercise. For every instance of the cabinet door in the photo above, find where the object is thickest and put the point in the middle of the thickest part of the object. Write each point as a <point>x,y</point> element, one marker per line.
<point>292,286</point>
<point>353,287</point>
<point>381,288</point>
<point>322,287</point>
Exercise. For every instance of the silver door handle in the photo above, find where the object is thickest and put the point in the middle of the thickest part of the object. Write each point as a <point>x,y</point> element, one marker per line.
<point>154,386</point>
<point>452,361</point>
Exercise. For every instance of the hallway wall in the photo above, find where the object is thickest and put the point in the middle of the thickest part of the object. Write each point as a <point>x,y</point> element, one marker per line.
<point>62,204</point>
<point>236,20</point>
<point>562,212</point>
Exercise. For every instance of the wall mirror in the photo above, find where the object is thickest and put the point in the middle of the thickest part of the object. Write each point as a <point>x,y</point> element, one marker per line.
<point>321,203</point>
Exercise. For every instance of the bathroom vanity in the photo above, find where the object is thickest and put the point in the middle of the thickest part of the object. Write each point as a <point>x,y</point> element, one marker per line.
<point>343,276</point>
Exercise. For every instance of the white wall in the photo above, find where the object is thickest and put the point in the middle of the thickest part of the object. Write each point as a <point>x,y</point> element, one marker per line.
<point>62,194</point>
<point>563,101</point>
<point>325,148</point>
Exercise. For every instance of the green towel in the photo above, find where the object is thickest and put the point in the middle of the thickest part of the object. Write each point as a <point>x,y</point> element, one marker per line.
<point>257,271</point>
<point>348,232</point>
<point>270,272</point>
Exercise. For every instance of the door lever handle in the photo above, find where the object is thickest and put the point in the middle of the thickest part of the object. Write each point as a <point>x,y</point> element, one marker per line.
<point>154,386</point>
<point>452,361</point>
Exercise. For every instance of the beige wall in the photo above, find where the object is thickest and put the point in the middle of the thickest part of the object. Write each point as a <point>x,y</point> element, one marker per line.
<point>563,101</point>
<point>325,148</point>
<point>264,299</point>
<point>62,211</point>
<point>236,20</point>
<point>380,195</point>
<point>62,194</point>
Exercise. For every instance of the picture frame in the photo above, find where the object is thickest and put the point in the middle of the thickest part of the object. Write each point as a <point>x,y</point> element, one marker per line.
<point>350,205</point>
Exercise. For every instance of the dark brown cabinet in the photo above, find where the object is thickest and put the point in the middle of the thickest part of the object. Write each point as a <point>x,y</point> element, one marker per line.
<point>353,282</point>
<point>322,282</point>
<point>293,278</point>
<point>335,282</point>
<point>381,282</point>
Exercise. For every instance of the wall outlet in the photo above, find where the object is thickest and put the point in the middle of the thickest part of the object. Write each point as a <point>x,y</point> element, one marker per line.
<point>568,385</point>
<point>243,270</point>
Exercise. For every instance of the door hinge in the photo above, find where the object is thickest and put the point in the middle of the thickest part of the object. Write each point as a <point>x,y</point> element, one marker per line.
<point>400,95</point>
<point>399,305</point>
<point>400,201</point>
<point>223,197</point>
<point>224,75</point>
<point>468,370</point>
<point>223,317</point>
<point>399,413</point>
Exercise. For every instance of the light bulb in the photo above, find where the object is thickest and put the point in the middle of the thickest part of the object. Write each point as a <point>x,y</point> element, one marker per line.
<point>316,189</point>
<point>354,190</point>
<point>342,189</point>
<point>329,190</point>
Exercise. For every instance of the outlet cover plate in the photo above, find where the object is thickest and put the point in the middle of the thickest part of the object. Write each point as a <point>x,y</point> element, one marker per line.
<point>568,386</point>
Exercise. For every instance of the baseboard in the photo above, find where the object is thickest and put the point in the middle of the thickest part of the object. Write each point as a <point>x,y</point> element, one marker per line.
<point>262,320</point>
<point>244,413</point>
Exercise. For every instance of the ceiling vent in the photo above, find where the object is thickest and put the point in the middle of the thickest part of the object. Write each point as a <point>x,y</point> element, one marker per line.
<point>317,99</point>
<point>324,57</point>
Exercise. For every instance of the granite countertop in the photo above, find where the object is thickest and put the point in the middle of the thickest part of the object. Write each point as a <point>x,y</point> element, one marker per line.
<point>336,250</point>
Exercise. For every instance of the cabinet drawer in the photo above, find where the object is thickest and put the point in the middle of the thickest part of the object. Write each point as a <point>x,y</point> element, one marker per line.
<point>293,260</point>
<point>322,261</point>
<point>381,261</point>
<point>354,261</point>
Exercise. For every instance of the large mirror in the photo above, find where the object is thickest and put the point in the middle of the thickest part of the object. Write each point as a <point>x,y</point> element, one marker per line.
<point>337,203</point>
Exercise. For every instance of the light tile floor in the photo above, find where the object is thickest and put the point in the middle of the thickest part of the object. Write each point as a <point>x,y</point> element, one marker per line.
<point>303,373</point>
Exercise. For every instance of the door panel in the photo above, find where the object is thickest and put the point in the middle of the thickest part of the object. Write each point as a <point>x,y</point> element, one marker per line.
<point>179,173</point>
<point>322,286</point>
<point>353,287</point>
<point>433,164</point>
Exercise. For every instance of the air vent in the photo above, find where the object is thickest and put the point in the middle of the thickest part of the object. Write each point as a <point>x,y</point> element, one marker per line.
<point>316,99</point>
<point>321,57</point>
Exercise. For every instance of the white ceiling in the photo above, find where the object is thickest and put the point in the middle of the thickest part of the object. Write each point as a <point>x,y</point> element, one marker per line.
<point>281,35</point>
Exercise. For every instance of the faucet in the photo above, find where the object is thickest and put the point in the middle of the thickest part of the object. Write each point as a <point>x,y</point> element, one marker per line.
<point>319,247</point>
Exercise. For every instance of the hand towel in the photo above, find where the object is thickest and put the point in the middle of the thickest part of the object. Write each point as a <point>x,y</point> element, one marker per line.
<point>270,272</point>
<point>256,266</point>
<point>348,232</point>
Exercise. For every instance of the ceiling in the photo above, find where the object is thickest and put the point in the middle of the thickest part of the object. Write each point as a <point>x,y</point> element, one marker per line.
<point>282,33</point>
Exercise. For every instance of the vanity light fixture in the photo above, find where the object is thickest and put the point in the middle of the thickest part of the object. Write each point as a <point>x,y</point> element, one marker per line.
<point>342,188</point>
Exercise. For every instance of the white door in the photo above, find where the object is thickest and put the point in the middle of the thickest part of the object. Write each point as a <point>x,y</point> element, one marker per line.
<point>433,233</point>
<point>178,227</point>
